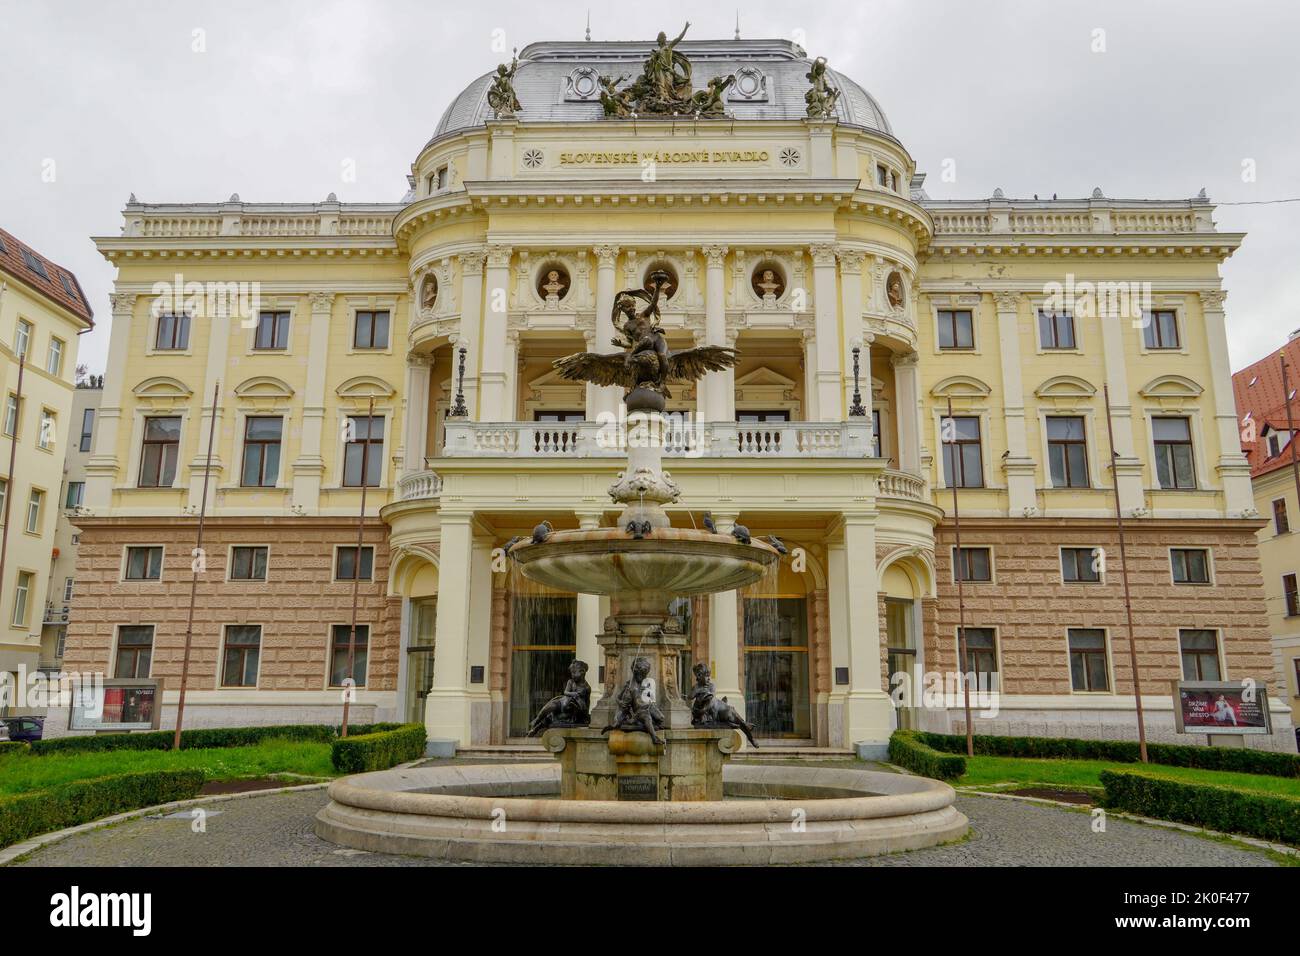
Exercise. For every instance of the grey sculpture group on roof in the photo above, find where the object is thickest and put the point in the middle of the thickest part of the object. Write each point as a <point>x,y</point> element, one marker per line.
<point>664,88</point>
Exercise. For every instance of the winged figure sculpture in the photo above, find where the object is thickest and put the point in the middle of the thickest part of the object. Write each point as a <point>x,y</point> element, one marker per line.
<point>646,362</point>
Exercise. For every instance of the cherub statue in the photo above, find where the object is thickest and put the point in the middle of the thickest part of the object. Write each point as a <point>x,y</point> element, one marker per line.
<point>571,708</point>
<point>709,710</point>
<point>615,101</point>
<point>501,94</point>
<point>635,705</point>
<point>708,101</point>
<point>821,98</point>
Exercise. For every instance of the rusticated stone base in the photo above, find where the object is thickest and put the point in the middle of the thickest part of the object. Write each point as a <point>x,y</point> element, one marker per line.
<point>629,766</point>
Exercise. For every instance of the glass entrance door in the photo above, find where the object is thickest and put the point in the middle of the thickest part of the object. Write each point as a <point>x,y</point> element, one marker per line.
<point>777,698</point>
<point>901,643</point>
<point>543,645</point>
<point>419,657</point>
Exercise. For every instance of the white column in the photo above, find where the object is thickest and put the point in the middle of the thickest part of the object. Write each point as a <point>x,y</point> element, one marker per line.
<point>718,389</point>
<point>851,330</point>
<point>837,587</point>
<point>724,634</point>
<point>218,333</point>
<point>309,466</point>
<point>101,467</point>
<point>868,707</point>
<point>1128,467</point>
<point>447,708</point>
<point>1019,466</point>
<point>589,623</point>
<point>478,699</point>
<point>510,411</point>
<point>907,391</point>
<point>604,400</point>
<point>1233,469</point>
<point>810,376</point>
<point>829,369</point>
<point>471,317</point>
<point>492,368</point>
<point>418,368</point>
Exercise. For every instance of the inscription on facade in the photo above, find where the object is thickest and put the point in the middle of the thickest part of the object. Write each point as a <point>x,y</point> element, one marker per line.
<point>638,787</point>
<point>665,156</point>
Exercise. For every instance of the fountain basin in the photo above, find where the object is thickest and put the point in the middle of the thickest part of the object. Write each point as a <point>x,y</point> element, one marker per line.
<point>509,814</point>
<point>670,562</point>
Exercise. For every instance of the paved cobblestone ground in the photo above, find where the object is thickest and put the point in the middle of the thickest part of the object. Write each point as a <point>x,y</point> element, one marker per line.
<point>276,830</point>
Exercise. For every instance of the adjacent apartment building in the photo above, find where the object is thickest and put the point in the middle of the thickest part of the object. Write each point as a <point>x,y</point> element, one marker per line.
<point>42,312</point>
<point>1263,400</point>
<point>862,311</point>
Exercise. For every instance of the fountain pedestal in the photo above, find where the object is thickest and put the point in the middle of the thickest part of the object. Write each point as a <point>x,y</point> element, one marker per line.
<point>628,765</point>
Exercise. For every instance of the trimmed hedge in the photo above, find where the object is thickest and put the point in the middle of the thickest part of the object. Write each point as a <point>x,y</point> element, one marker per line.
<point>1266,816</point>
<point>12,747</point>
<point>200,737</point>
<point>1233,759</point>
<point>70,804</point>
<point>909,749</point>
<point>378,751</point>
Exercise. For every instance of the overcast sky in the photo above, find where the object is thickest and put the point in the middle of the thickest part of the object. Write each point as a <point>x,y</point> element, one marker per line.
<point>113,98</point>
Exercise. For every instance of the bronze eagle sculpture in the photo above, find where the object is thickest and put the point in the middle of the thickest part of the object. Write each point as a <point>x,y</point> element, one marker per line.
<point>646,361</point>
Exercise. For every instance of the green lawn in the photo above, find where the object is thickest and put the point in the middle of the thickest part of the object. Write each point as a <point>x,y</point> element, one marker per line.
<point>23,773</point>
<point>985,771</point>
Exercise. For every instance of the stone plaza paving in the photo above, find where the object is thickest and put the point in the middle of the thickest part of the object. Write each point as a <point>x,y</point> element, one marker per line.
<point>276,830</point>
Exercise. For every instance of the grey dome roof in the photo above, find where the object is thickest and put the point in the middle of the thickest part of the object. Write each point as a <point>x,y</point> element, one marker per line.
<point>544,69</point>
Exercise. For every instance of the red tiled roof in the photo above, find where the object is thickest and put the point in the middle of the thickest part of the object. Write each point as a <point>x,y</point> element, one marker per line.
<point>1258,392</point>
<point>51,285</point>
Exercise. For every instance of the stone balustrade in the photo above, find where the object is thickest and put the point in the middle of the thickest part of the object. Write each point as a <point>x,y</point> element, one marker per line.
<point>420,484</point>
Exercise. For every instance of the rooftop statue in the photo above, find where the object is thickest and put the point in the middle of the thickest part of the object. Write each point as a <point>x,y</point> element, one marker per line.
<point>821,98</point>
<point>501,94</point>
<point>646,364</point>
<point>664,86</point>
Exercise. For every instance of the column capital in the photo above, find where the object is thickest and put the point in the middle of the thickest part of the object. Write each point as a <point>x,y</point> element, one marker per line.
<point>498,255</point>
<point>605,256</point>
<point>416,361</point>
<point>123,304</point>
<point>714,255</point>
<point>1213,299</point>
<point>851,260</point>
<point>823,253</point>
<point>905,360</point>
<point>321,302</point>
<point>471,262</point>
<point>1006,301</point>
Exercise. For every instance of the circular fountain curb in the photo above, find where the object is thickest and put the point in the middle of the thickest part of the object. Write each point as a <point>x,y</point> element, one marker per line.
<point>495,814</point>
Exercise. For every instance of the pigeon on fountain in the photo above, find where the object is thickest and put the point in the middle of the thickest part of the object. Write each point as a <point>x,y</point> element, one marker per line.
<point>709,526</point>
<point>639,529</point>
<point>542,532</point>
<point>741,534</point>
<point>777,543</point>
<point>512,542</point>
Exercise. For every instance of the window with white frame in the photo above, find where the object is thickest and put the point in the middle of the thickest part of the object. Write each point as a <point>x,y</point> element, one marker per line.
<point>49,430</point>
<point>1055,330</point>
<point>1089,668</point>
<point>1190,565</point>
<point>35,504</point>
<point>1067,451</point>
<point>963,459</point>
<point>1161,329</point>
<point>134,650</point>
<point>248,563</point>
<point>1200,654</point>
<point>54,360</point>
<point>1081,565</point>
<point>22,338</point>
<point>143,563</point>
<point>956,328</point>
<point>22,596</point>
<point>240,655</point>
<point>1175,462</point>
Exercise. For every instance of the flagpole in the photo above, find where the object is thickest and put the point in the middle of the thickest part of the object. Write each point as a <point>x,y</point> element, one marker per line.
<point>356,567</point>
<point>960,574</point>
<point>199,561</point>
<point>1123,571</point>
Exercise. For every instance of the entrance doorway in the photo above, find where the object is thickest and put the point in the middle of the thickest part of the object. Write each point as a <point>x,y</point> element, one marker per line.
<point>900,641</point>
<point>419,657</point>
<point>777,692</point>
<point>544,642</point>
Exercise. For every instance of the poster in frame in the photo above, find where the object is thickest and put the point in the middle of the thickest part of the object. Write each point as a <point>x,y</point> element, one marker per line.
<point>1221,707</point>
<point>118,704</point>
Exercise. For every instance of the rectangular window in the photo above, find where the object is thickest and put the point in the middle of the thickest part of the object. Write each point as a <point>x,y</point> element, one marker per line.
<point>981,654</point>
<point>159,453</point>
<point>35,264</point>
<point>1173,444</point>
<point>1200,650</point>
<point>49,430</point>
<point>243,648</point>
<point>173,333</point>
<point>875,434</point>
<point>67,592</point>
<point>371,330</point>
<point>1056,330</point>
<point>134,650</point>
<point>54,360</point>
<point>143,563</point>
<point>261,451</point>
<point>11,416</point>
<point>272,331</point>
<point>1067,451</point>
<point>1081,565</point>
<point>339,655</point>
<point>956,329</point>
<point>248,563</point>
<point>22,594</point>
<point>4,493</point>
<point>1088,667</point>
<point>440,178</point>
<point>364,451</point>
<point>87,428</point>
<point>22,338</point>
<point>76,494</point>
<point>345,563</point>
<point>1281,524</point>
<point>1190,565</point>
<point>1289,593</point>
<point>35,503</point>
<point>972,564</point>
<point>963,462</point>
<point>1161,331</point>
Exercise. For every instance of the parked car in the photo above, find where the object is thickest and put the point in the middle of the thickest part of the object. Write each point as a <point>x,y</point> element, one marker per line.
<point>23,728</point>
<point>4,732</point>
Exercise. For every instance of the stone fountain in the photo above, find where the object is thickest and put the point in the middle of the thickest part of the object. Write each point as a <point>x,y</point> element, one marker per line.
<point>644,741</point>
